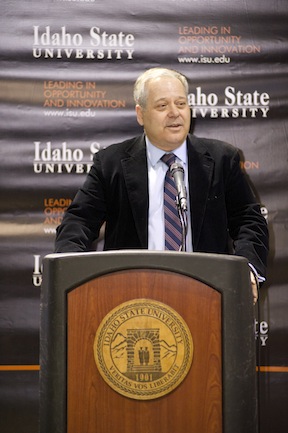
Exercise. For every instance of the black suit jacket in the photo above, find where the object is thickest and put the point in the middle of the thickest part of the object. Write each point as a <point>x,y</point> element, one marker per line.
<point>222,204</point>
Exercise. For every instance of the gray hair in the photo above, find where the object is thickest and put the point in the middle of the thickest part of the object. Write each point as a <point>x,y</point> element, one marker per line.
<point>140,89</point>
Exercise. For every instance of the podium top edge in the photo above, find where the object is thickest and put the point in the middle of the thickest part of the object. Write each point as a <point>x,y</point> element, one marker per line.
<point>147,253</point>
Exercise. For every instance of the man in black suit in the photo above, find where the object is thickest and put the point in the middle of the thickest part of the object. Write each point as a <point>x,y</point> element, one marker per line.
<point>124,188</point>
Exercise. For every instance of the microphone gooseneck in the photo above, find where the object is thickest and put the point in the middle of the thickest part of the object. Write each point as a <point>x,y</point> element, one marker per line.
<point>177,172</point>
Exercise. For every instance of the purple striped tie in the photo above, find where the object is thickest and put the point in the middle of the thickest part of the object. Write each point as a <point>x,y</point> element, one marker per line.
<point>173,229</point>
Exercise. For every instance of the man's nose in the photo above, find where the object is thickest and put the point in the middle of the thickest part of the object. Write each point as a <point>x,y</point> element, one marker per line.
<point>173,111</point>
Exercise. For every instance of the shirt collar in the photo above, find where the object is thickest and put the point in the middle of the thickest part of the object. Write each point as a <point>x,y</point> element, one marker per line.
<point>154,153</point>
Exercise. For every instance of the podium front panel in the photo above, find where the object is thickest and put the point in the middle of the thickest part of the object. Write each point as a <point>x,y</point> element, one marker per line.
<point>194,406</point>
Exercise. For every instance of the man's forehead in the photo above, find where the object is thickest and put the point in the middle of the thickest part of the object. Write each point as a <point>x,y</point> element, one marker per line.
<point>168,97</point>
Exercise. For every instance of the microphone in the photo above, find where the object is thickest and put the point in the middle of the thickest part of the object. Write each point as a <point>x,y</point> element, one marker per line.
<point>177,172</point>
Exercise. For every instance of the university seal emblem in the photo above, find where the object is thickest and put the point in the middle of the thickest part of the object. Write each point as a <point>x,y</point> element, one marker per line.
<point>143,349</point>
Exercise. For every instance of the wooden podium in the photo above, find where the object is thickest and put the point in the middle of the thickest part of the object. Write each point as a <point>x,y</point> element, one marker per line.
<point>87,301</point>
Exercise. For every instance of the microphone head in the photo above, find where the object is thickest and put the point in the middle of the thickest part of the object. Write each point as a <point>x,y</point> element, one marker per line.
<point>176,167</point>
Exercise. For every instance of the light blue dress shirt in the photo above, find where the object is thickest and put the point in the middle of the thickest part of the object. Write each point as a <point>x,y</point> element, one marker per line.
<point>156,175</point>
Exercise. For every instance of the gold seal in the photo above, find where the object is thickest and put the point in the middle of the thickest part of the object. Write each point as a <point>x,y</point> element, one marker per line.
<point>143,349</point>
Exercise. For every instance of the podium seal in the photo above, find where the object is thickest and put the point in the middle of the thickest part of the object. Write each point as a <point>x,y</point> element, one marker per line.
<point>143,349</point>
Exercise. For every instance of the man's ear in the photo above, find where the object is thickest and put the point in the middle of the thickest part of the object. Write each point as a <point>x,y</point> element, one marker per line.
<point>139,114</point>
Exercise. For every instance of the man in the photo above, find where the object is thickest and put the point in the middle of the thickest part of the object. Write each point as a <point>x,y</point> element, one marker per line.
<point>124,188</point>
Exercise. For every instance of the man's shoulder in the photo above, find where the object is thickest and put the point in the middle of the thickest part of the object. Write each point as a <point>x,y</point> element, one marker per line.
<point>121,149</point>
<point>211,146</point>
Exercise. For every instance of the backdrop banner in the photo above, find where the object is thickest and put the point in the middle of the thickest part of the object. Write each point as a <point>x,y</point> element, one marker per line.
<point>67,69</point>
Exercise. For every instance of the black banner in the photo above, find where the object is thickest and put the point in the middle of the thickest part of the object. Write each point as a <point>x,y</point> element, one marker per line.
<point>67,74</point>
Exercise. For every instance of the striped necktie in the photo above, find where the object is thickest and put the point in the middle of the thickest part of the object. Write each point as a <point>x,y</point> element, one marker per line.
<point>173,228</point>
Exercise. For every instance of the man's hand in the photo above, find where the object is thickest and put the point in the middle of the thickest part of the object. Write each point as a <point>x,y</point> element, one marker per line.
<point>254,287</point>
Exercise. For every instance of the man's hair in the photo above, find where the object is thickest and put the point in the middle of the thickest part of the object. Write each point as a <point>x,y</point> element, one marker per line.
<point>140,86</point>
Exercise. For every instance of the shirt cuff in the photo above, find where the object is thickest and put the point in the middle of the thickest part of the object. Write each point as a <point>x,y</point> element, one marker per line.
<point>258,277</point>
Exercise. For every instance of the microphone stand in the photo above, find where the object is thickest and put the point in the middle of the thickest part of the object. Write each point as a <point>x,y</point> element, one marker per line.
<point>184,224</point>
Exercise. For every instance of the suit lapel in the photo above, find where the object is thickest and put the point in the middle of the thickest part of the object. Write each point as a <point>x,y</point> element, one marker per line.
<point>136,178</point>
<point>201,167</point>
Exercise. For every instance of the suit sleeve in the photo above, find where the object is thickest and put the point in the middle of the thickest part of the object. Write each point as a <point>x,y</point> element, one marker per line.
<point>85,216</point>
<point>247,227</point>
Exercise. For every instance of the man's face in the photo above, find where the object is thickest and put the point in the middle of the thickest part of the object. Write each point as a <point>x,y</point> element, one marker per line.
<point>166,117</point>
